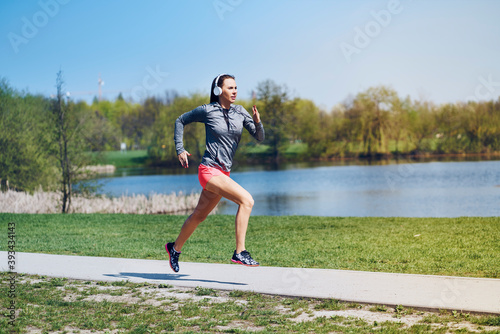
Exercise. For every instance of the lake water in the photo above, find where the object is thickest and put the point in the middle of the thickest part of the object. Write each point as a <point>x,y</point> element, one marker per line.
<point>433,189</point>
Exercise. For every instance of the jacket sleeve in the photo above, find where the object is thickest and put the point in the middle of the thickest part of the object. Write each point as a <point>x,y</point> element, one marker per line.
<point>255,129</point>
<point>195,115</point>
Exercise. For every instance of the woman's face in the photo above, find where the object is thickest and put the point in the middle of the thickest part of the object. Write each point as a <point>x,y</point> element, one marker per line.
<point>229,90</point>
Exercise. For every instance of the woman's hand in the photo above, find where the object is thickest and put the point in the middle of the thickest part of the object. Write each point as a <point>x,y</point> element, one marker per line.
<point>256,115</point>
<point>183,158</point>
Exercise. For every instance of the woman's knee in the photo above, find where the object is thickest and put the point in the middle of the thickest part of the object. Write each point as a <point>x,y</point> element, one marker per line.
<point>247,201</point>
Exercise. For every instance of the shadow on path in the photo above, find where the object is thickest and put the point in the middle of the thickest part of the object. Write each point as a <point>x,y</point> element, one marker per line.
<point>167,277</point>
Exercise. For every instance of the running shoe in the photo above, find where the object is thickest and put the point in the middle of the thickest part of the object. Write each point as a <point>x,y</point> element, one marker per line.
<point>245,259</point>
<point>173,256</point>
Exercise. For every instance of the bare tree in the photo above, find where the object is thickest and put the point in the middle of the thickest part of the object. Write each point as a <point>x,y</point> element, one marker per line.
<point>60,109</point>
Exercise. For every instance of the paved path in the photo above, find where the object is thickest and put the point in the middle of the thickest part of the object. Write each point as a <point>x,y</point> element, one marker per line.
<point>420,291</point>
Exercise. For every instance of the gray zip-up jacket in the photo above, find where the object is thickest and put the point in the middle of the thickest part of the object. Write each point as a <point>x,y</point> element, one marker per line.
<point>223,130</point>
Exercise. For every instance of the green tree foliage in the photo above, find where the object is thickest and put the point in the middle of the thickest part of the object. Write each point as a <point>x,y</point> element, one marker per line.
<point>375,122</point>
<point>421,127</point>
<point>129,122</point>
<point>312,126</point>
<point>25,140</point>
<point>101,134</point>
<point>38,137</point>
<point>375,108</point>
<point>162,148</point>
<point>399,122</point>
<point>277,111</point>
<point>481,124</point>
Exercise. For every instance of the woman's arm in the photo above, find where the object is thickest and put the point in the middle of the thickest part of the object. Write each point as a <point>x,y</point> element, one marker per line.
<point>195,115</point>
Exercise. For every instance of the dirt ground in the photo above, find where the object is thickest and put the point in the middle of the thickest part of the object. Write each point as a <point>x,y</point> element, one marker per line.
<point>155,296</point>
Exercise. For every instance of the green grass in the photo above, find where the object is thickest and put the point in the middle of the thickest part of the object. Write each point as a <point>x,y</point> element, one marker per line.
<point>292,150</point>
<point>297,149</point>
<point>47,305</point>
<point>256,149</point>
<point>438,246</point>
<point>136,158</point>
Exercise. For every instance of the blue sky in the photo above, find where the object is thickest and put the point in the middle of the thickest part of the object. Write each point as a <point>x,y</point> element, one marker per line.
<point>323,50</point>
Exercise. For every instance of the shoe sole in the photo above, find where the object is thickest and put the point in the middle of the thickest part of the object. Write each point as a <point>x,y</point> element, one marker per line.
<point>170,259</point>
<point>246,265</point>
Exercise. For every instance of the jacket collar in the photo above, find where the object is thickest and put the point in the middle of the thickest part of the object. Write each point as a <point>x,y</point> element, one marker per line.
<point>217,104</point>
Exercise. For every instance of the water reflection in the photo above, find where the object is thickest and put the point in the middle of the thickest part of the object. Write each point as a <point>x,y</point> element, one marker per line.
<point>245,167</point>
<point>435,189</point>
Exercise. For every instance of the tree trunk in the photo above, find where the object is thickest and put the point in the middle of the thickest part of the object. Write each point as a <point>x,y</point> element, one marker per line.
<point>63,146</point>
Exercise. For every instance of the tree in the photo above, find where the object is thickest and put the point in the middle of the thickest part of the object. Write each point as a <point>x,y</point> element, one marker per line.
<point>70,123</point>
<point>311,126</point>
<point>422,125</point>
<point>277,117</point>
<point>101,134</point>
<point>400,120</point>
<point>375,106</point>
<point>162,148</point>
<point>25,160</point>
<point>449,123</point>
<point>62,137</point>
<point>481,124</point>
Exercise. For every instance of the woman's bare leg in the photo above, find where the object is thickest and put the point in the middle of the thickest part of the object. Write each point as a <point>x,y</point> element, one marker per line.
<point>208,201</point>
<point>224,186</point>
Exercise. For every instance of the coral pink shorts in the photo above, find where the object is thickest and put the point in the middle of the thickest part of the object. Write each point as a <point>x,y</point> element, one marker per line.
<point>205,173</point>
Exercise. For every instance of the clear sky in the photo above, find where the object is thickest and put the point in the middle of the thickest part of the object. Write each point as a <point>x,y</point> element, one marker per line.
<point>323,50</point>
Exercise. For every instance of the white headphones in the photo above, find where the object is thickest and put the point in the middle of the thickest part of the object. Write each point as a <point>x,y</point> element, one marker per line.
<point>217,89</point>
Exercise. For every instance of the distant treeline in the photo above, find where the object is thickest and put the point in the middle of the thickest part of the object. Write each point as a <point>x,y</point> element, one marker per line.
<point>374,123</point>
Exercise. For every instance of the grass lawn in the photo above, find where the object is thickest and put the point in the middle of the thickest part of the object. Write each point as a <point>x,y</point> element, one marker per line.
<point>263,149</point>
<point>58,305</point>
<point>126,159</point>
<point>467,246</point>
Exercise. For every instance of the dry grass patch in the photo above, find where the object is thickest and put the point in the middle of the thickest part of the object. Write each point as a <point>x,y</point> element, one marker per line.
<point>73,306</point>
<point>50,202</point>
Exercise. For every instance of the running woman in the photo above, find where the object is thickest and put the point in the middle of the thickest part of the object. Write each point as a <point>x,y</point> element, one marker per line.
<point>224,123</point>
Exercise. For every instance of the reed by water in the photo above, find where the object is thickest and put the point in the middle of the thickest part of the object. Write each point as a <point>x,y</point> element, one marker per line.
<point>50,202</point>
